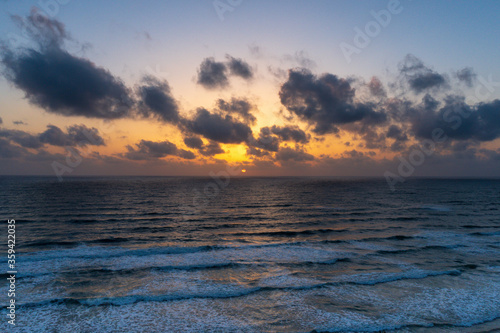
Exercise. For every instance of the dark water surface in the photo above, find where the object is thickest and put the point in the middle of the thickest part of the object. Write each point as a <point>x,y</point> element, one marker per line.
<point>260,255</point>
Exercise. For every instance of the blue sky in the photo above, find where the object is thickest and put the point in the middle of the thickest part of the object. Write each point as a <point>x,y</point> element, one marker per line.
<point>170,39</point>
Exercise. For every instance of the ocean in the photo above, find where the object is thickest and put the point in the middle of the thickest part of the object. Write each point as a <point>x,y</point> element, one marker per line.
<point>184,254</point>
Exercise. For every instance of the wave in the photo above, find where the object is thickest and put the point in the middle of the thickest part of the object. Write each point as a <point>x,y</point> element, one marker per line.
<point>469,226</point>
<point>417,249</point>
<point>87,250</point>
<point>436,208</point>
<point>448,327</point>
<point>495,233</point>
<point>290,233</point>
<point>231,291</point>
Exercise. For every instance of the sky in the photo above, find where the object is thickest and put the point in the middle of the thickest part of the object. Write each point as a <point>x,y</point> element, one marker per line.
<point>392,89</point>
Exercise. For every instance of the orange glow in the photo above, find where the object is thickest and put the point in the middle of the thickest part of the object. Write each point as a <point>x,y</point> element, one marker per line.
<point>243,170</point>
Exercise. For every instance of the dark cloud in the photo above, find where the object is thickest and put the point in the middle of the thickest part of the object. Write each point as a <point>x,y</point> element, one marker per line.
<point>186,154</point>
<point>265,141</point>
<point>290,133</point>
<point>419,77</point>
<point>326,101</point>
<point>22,138</point>
<point>238,106</point>
<point>82,135</point>
<point>425,81</point>
<point>8,150</point>
<point>289,154</point>
<point>458,120</point>
<point>238,67</point>
<point>269,139</point>
<point>55,136</point>
<point>77,135</point>
<point>1,121</point>
<point>193,142</point>
<point>396,133</point>
<point>399,136</point>
<point>60,82</point>
<point>156,100</point>
<point>45,31</point>
<point>257,152</point>
<point>217,127</point>
<point>212,74</point>
<point>376,87</point>
<point>148,150</point>
<point>467,76</point>
<point>63,84</point>
<point>213,148</point>
<point>17,122</point>
<point>215,75</point>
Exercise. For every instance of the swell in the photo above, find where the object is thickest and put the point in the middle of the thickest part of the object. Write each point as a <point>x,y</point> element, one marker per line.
<point>82,250</point>
<point>126,300</point>
<point>437,325</point>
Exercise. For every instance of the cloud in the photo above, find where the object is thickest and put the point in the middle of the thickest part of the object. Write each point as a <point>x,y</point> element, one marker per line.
<point>290,133</point>
<point>238,67</point>
<point>193,142</point>
<point>252,151</point>
<point>400,138</point>
<point>7,150</point>
<point>458,120</point>
<point>77,135</point>
<point>148,150</point>
<point>286,154</point>
<point>239,107</point>
<point>1,121</point>
<point>419,77</point>
<point>395,132</point>
<point>376,87</point>
<point>213,148</point>
<point>186,154</point>
<point>212,74</point>
<point>467,76</point>
<point>83,135</point>
<point>265,141</point>
<point>156,100</point>
<point>22,138</point>
<point>326,101</point>
<point>59,82</point>
<point>45,31</point>
<point>17,122</point>
<point>217,127</point>
<point>301,58</point>
<point>215,75</point>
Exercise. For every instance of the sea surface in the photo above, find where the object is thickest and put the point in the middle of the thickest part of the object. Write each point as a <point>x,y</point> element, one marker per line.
<point>173,254</point>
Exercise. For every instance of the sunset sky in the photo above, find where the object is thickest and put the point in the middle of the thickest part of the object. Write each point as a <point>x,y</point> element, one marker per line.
<point>313,88</point>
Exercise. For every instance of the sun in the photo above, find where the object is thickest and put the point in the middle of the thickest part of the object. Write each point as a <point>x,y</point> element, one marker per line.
<point>243,170</point>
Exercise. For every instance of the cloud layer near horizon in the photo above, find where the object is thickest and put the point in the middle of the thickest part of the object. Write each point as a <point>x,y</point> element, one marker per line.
<point>382,119</point>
